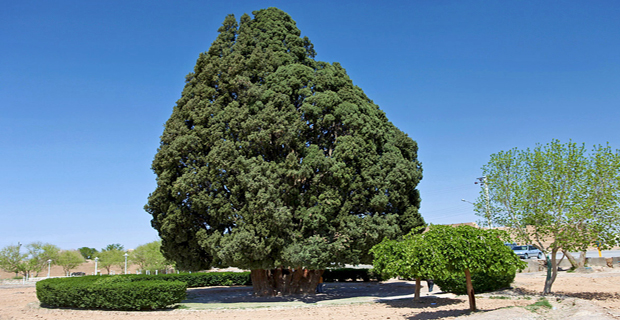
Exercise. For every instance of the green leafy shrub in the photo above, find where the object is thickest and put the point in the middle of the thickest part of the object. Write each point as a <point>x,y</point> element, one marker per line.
<point>482,282</point>
<point>349,274</point>
<point>114,293</point>
<point>130,292</point>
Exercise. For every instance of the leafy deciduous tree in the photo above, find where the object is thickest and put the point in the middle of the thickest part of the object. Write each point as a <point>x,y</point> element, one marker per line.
<point>11,259</point>
<point>275,162</point>
<point>110,258</point>
<point>88,253</point>
<point>114,246</point>
<point>149,257</point>
<point>69,259</point>
<point>38,255</point>
<point>556,197</point>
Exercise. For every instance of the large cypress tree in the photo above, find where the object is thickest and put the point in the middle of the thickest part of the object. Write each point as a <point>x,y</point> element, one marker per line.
<point>274,162</point>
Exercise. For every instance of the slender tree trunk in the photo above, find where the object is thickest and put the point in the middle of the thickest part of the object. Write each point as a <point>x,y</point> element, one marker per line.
<point>574,262</point>
<point>470,291</point>
<point>571,259</point>
<point>552,271</point>
<point>582,259</point>
<point>284,281</point>
<point>418,284</point>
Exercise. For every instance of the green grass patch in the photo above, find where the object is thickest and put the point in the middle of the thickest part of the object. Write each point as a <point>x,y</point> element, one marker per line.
<point>541,303</point>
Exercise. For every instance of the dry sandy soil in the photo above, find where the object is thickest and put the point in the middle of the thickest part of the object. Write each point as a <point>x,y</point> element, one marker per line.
<point>577,296</point>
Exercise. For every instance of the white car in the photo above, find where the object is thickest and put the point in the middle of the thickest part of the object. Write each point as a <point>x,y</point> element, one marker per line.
<point>527,251</point>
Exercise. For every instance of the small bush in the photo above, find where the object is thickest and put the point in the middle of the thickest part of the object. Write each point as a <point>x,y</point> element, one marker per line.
<point>349,274</point>
<point>114,293</point>
<point>482,282</point>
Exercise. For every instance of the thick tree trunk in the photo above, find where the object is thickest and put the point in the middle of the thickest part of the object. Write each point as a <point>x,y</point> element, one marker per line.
<point>552,271</point>
<point>470,291</point>
<point>418,284</point>
<point>283,281</point>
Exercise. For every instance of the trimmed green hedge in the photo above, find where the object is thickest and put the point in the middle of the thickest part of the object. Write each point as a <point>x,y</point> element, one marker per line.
<point>349,274</point>
<point>147,292</point>
<point>114,293</point>
<point>244,279</point>
<point>482,282</point>
<point>130,292</point>
<point>201,279</point>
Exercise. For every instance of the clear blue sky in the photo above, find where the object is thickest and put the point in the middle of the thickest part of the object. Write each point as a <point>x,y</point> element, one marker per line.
<point>86,86</point>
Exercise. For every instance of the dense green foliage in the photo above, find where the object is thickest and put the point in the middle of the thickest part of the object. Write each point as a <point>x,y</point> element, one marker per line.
<point>407,258</point>
<point>349,274</point>
<point>271,158</point>
<point>446,253</point>
<point>201,279</point>
<point>114,246</point>
<point>456,249</point>
<point>483,281</point>
<point>114,293</point>
<point>88,253</point>
<point>243,278</point>
<point>556,197</point>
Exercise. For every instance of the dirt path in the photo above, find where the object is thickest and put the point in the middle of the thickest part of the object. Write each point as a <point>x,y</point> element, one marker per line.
<point>579,296</point>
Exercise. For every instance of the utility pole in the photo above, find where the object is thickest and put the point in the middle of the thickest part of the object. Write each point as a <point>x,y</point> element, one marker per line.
<point>483,182</point>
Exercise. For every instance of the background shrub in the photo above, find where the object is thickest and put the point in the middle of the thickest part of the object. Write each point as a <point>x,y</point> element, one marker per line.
<point>482,282</point>
<point>349,274</point>
<point>201,279</point>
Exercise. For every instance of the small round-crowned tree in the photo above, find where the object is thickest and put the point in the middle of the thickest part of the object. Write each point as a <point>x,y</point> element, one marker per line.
<point>275,162</point>
<point>446,253</point>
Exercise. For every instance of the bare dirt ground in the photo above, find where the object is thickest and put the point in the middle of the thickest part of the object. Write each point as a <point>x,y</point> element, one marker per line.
<point>576,296</point>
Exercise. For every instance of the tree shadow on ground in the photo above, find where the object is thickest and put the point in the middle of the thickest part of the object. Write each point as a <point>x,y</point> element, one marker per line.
<point>588,295</point>
<point>333,291</point>
<point>581,295</point>
<point>428,303</point>
<point>439,314</point>
<point>424,309</point>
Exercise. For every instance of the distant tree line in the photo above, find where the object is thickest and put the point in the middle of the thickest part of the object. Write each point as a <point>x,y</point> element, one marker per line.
<point>31,259</point>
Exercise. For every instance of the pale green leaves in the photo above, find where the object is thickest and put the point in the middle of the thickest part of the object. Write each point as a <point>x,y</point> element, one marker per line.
<point>68,260</point>
<point>556,195</point>
<point>149,257</point>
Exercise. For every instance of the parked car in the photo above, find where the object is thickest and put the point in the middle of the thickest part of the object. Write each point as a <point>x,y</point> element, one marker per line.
<point>527,251</point>
<point>510,245</point>
<point>77,274</point>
